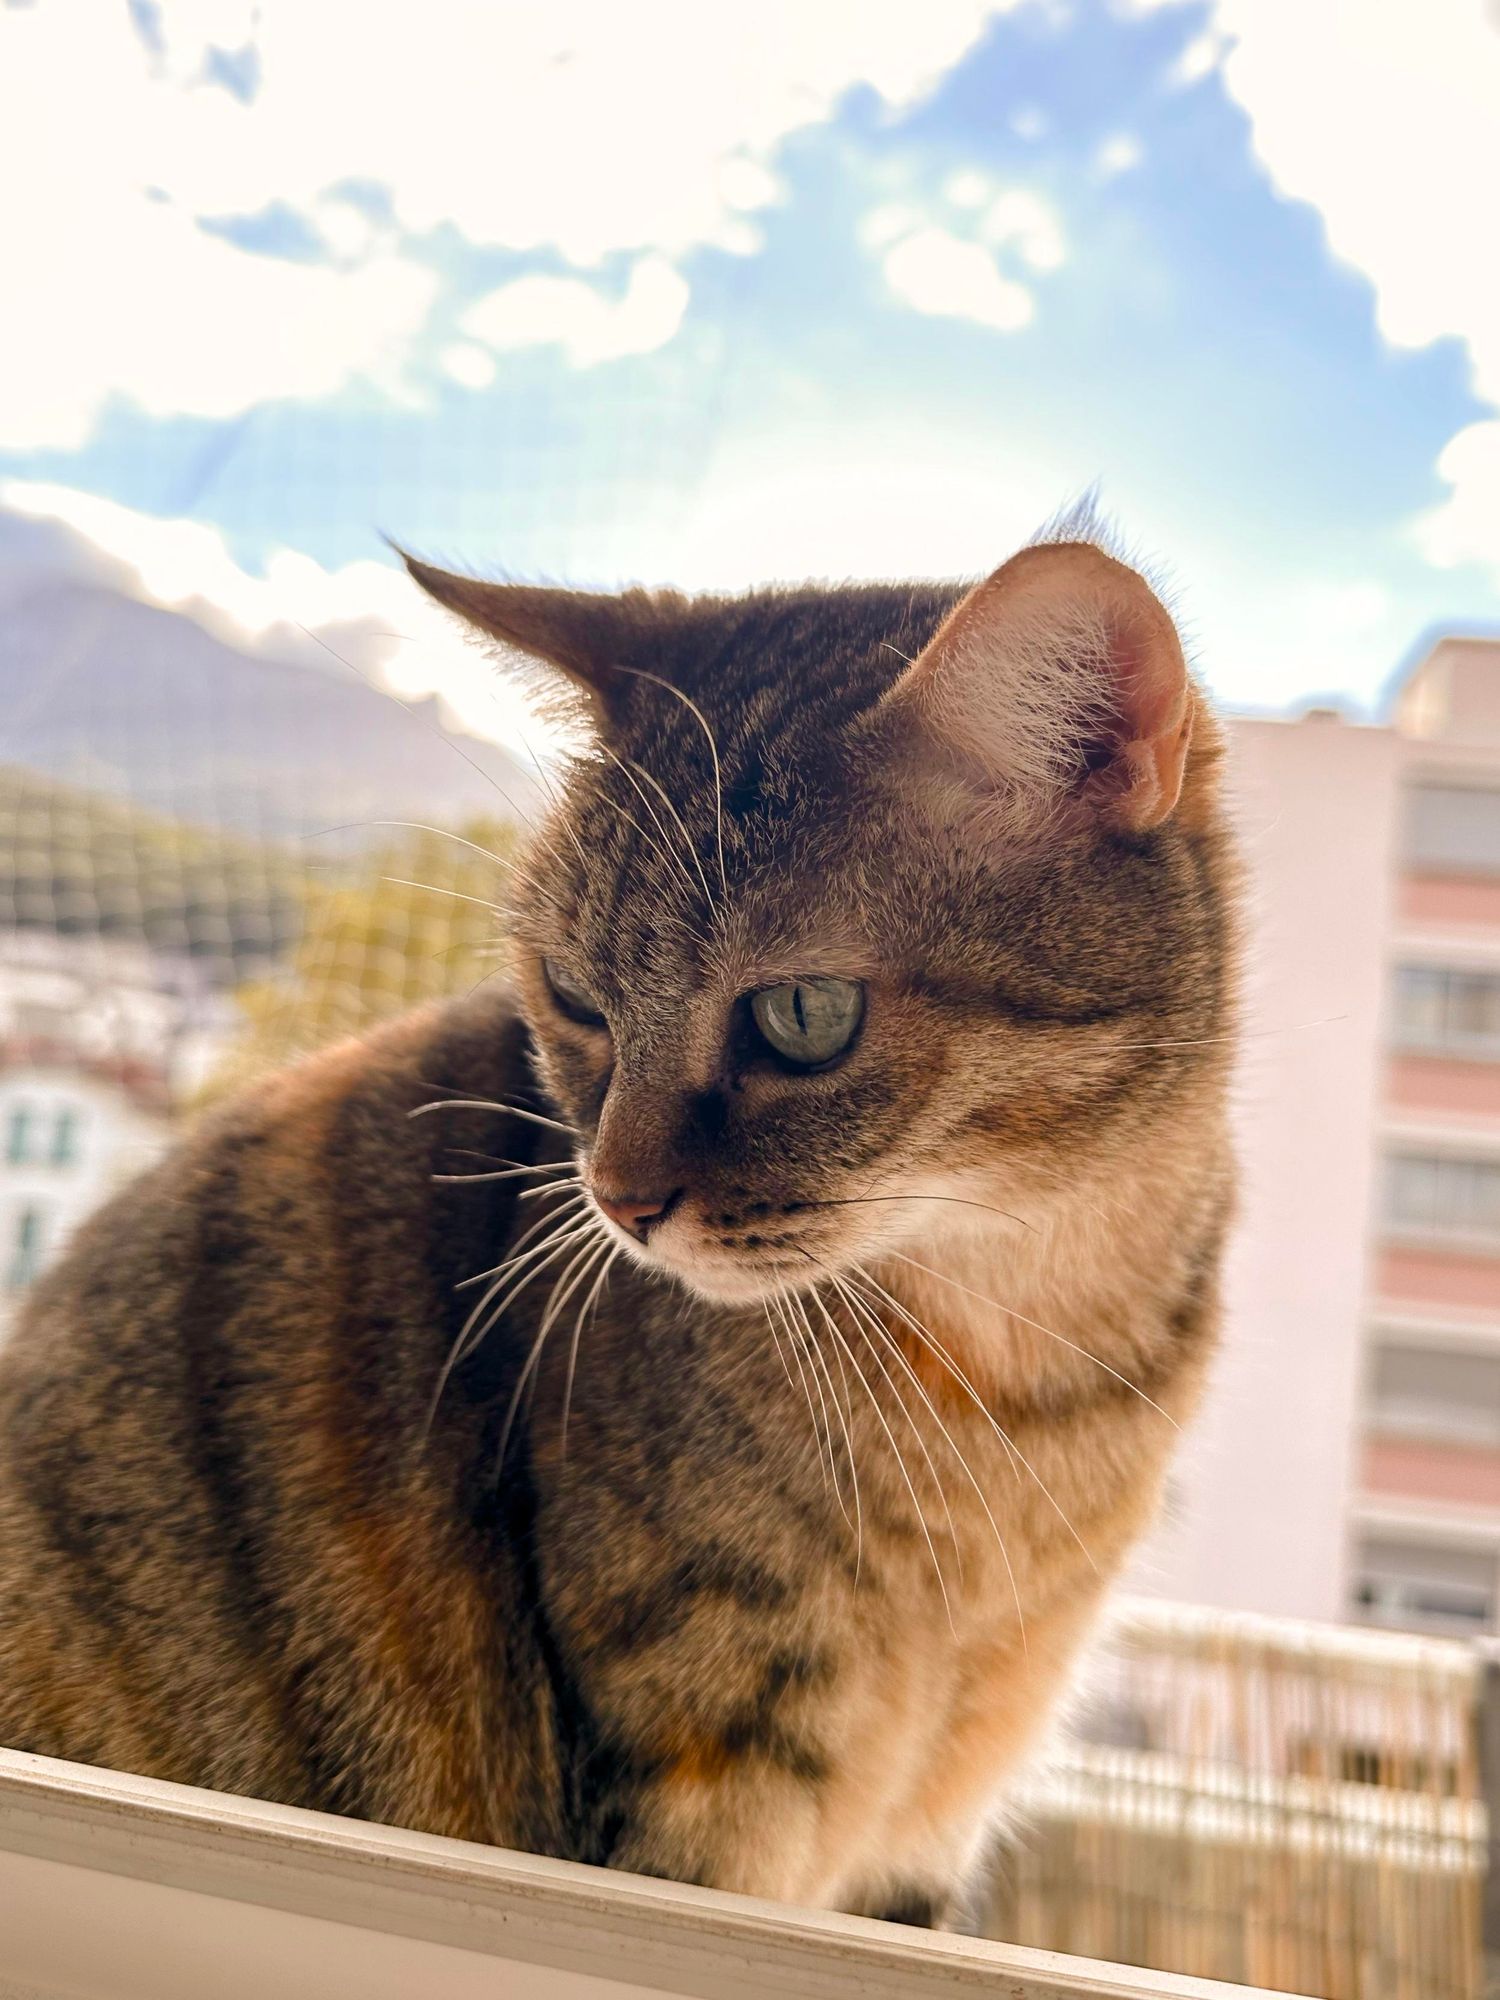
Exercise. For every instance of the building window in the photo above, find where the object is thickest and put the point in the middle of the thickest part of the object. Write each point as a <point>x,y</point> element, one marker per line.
<point>18,1135</point>
<point>1453,829</point>
<point>1441,1394</point>
<point>1444,1195</point>
<point>65,1138</point>
<point>1424,1586</point>
<point>1441,1007</point>
<point>26,1246</point>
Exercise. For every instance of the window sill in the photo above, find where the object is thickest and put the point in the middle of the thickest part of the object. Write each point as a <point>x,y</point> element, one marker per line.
<point>112,1885</point>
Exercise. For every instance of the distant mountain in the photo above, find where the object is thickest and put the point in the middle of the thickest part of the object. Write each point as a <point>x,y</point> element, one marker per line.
<point>102,691</point>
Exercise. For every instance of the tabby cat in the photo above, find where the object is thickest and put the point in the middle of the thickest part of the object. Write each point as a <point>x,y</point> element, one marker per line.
<point>684,1412</point>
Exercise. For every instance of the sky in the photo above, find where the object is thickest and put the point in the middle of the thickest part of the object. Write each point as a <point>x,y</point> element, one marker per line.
<point>706,296</point>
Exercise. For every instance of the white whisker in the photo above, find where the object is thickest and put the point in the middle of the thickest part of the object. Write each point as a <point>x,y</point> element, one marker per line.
<point>875,1321</point>
<point>568,1208</point>
<point>463,1345</point>
<point>509,1172</point>
<point>936,1347</point>
<point>812,1415</point>
<point>530,1194</point>
<point>513,1281</point>
<point>419,826</point>
<point>846,1417</point>
<point>858,1523</point>
<point>781,1351</point>
<point>639,673</point>
<point>664,846</point>
<point>437,889</point>
<point>1062,1339</point>
<point>1013,1446</point>
<point>814,1356</point>
<point>896,1452</point>
<point>687,838</point>
<point>575,1273</point>
<point>583,1312</point>
<point>490,1104</point>
<point>916,1430</point>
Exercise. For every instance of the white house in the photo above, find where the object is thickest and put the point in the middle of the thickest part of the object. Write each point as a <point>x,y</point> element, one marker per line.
<point>98,1039</point>
<point>70,1134</point>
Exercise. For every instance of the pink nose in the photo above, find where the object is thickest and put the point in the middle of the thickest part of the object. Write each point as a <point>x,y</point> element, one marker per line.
<point>638,1213</point>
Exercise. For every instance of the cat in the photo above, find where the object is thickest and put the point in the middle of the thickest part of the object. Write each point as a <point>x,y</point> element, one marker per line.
<point>683,1409</point>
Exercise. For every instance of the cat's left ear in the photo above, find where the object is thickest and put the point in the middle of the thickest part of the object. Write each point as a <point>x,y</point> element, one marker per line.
<point>1059,681</point>
<point>592,638</point>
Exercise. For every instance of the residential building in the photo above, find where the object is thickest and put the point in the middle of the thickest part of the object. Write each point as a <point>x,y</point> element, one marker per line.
<point>99,1039</point>
<point>1348,1461</point>
<point>72,1130</point>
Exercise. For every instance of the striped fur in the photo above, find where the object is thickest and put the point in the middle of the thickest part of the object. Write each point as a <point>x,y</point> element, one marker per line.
<point>632,1611</point>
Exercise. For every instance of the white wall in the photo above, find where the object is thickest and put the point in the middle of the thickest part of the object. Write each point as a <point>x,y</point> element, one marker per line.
<point>1261,1498</point>
<point>113,1139</point>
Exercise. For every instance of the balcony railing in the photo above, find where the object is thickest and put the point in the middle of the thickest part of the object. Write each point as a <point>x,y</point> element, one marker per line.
<point>1300,1807</point>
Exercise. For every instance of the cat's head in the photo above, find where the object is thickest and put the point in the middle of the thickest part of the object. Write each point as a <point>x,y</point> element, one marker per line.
<point>866,904</point>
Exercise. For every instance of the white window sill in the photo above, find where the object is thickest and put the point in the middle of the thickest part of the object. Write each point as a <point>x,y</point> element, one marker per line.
<point>121,1888</point>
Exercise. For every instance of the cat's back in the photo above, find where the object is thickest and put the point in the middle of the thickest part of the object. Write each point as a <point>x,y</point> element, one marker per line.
<point>210,1399</point>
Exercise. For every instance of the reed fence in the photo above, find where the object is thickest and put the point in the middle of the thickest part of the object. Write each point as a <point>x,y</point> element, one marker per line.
<point>1291,1806</point>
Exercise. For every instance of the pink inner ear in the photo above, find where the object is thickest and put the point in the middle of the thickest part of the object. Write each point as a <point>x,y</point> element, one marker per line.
<point>1138,786</point>
<point>1058,679</point>
<point>1150,680</point>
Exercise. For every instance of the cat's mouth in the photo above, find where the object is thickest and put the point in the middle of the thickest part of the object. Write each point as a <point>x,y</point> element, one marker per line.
<point>701,1249</point>
<point>743,1280</point>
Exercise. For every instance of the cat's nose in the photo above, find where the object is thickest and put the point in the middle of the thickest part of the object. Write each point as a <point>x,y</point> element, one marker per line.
<point>639,1213</point>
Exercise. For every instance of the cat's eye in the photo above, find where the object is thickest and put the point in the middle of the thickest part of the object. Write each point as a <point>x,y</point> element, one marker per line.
<point>573,999</point>
<point>809,1021</point>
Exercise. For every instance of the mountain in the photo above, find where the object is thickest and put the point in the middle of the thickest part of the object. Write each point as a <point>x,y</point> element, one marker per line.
<point>122,698</point>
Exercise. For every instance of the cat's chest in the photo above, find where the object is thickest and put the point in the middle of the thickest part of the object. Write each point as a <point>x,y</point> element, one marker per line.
<point>959,1642</point>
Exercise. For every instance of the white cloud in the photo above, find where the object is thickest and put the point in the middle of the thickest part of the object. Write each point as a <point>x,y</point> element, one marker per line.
<point>968,188</point>
<point>940,273</point>
<point>1387,118</point>
<point>1021,221</point>
<point>109,287</point>
<point>1466,527</point>
<point>891,219</point>
<point>366,617</point>
<point>583,127</point>
<point>950,275</point>
<point>1200,58</point>
<point>1121,153</point>
<point>473,366</point>
<point>829,502</point>
<point>586,323</point>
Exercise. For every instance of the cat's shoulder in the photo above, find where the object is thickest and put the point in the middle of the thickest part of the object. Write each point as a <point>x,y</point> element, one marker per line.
<point>476,1044</point>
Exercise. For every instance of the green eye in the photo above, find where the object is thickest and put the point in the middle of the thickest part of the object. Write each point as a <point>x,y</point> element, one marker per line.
<point>573,1000</point>
<point>809,1021</point>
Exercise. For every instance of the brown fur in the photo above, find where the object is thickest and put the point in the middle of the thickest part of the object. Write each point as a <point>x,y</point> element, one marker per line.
<point>671,1587</point>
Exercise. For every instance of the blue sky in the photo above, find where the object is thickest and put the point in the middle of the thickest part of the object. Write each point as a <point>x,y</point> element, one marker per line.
<point>854,297</point>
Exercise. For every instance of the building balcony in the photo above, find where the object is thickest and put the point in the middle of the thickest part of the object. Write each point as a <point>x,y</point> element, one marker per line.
<point>1444,1088</point>
<point>1448,1472</point>
<point>1425,1276</point>
<point>1466,901</point>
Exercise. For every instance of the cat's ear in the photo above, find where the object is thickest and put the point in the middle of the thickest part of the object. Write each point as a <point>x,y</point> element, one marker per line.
<point>1058,681</point>
<point>592,638</point>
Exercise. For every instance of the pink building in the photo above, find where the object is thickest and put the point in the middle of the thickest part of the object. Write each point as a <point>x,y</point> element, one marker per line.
<point>1348,1463</point>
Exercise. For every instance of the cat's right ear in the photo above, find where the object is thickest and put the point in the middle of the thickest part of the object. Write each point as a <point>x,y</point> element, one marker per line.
<point>1057,687</point>
<point>592,639</point>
